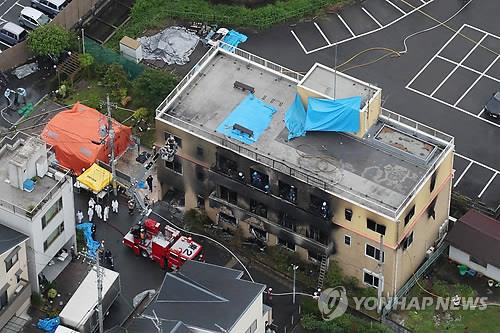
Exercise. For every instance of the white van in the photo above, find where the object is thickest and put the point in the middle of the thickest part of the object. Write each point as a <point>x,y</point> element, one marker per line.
<point>49,7</point>
<point>32,18</point>
<point>12,34</point>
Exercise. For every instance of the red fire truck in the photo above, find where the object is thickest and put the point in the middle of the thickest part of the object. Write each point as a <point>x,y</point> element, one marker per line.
<point>170,249</point>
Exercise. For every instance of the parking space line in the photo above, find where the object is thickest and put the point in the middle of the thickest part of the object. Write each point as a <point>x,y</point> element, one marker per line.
<point>298,41</point>
<point>487,184</point>
<point>371,16</point>
<point>4,44</point>
<point>15,3</point>
<point>480,113</point>
<point>469,68</point>
<point>476,81</point>
<point>321,32</point>
<point>433,57</point>
<point>458,65</point>
<point>394,5</point>
<point>480,30</point>
<point>478,163</point>
<point>345,24</point>
<point>453,106</point>
<point>405,14</point>
<point>463,173</point>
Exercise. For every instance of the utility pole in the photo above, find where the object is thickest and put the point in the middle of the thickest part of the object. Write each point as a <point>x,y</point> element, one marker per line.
<point>294,267</point>
<point>100,276</point>
<point>380,274</point>
<point>111,134</point>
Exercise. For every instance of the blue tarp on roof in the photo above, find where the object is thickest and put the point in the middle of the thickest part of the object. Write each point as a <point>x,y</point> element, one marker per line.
<point>295,119</point>
<point>233,38</point>
<point>253,114</point>
<point>340,115</point>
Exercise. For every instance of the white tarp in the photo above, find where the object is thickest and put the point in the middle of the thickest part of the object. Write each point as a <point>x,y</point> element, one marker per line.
<point>25,70</point>
<point>173,45</point>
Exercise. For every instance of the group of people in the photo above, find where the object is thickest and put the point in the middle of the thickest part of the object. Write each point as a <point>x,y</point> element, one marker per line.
<point>101,212</point>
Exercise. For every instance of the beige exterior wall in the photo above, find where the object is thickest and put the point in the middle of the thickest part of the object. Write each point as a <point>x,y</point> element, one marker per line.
<point>398,265</point>
<point>15,304</point>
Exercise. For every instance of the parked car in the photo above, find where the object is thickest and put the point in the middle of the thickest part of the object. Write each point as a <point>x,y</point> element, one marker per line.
<point>12,34</point>
<point>32,18</point>
<point>492,108</point>
<point>49,7</point>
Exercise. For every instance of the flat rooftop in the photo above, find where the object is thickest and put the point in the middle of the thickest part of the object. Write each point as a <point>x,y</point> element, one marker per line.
<point>380,171</point>
<point>13,196</point>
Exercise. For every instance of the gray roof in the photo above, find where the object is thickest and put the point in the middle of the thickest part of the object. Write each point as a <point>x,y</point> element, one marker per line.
<point>380,171</point>
<point>201,295</point>
<point>143,325</point>
<point>10,238</point>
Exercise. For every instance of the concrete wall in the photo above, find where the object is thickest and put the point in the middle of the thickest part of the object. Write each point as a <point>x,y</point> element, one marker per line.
<point>17,302</point>
<point>464,258</point>
<point>68,17</point>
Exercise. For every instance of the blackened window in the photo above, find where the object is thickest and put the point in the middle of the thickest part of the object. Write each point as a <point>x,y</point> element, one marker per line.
<point>431,213</point>
<point>176,138</point>
<point>287,192</point>
<point>175,165</point>
<point>258,208</point>
<point>3,300</point>
<point>433,181</point>
<point>224,218</point>
<point>370,279</point>
<point>199,152</point>
<point>227,166</point>
<point>200,173</point>
<point>410,215</point>
<point>259,180</point>
<point>228,195</point>
<point>287,221</point>
<point>348,214</point>
<point>407,241</point>
<point>372,225</point>
<point>286,244</point>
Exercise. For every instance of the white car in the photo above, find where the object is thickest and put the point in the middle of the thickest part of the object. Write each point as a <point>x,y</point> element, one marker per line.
<point>218,36</point>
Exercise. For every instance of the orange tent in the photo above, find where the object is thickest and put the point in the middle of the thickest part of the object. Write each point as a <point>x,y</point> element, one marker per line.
<point>75,136</point>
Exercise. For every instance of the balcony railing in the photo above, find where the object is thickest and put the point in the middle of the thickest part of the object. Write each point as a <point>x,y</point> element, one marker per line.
<point>37,206</point>
<point>303,240</point>
<point>15,302</point>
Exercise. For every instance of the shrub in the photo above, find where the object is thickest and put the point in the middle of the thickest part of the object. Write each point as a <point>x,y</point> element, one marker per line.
<point>152,86</point>
<point>50,40</point>
<point>116,80</point>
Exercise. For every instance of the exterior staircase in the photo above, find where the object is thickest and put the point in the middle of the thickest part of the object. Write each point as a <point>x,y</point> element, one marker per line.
<point>323,269</point>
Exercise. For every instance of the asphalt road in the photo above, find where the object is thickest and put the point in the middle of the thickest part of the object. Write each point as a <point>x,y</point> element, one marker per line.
<point>138,274</point>
<point>476,137</point>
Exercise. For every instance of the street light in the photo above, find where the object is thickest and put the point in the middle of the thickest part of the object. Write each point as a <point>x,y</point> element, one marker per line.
<point>294,267</point>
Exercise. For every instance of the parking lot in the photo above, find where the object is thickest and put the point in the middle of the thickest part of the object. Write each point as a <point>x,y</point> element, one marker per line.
<point>9,12</point>
<point>443,80</point>
<point>463,74</point>
<point>353,22</point>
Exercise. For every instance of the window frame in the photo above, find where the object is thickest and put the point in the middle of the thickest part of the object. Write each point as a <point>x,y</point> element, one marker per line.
<point>177,139</point>
<point>222,189</point>
<point>406,243</point>
<point>347,237</point>
<point>431,209</point>
<point>59,207</point>
<point>432,183</point>
<point>10,262</point>
<point>373,276</point>
<point>172,166</point>
<point>375,249</point>
<point>58,231</point>
<point>376,226</point>
<point>280,242</point>
<point>348,211</point>
<point>409,215</point>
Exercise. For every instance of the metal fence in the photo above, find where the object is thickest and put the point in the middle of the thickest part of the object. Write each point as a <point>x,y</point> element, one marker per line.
<point>413,280</point>
<point>104,55</point>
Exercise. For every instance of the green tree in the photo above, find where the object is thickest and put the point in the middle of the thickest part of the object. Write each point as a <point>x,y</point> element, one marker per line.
<point>50,40</point>
<point>86,62</point>
<point>152,86</point>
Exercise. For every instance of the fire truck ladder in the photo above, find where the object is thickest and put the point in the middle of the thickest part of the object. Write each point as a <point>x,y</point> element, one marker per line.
<point>323,269</point>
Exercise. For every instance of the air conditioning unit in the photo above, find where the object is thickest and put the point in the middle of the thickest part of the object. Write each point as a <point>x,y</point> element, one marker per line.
<point>429,252</point>
<point>18,289</point>
<point>443,230</point>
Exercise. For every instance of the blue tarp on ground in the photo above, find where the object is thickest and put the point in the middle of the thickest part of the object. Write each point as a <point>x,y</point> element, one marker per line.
<point>92,245</point>
<point>233,38</point>
<point>253,114</point>
<point>48,324</point>
<point>340,115</point>
<point>295,119</point>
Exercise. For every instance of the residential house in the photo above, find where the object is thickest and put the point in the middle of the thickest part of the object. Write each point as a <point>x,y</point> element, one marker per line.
<point>36,199</point>
<point>15,290</point>
<point>475,242</point>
